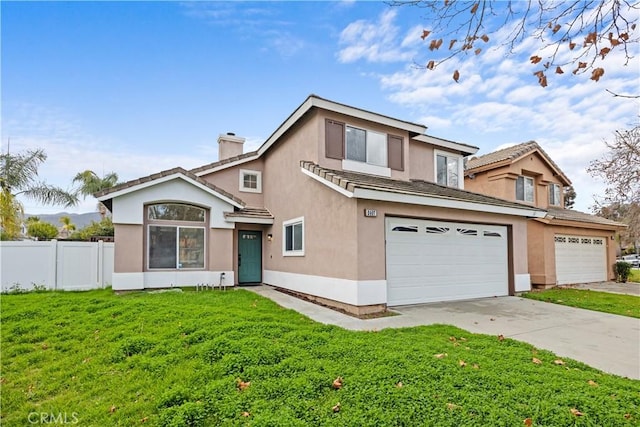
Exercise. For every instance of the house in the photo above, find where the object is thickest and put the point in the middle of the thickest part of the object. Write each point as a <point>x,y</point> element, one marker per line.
<point>348,207</point>
<point>564,247</point>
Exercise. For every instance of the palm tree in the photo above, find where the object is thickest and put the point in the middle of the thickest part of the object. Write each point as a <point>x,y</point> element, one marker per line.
<point>19,177</point>
<point>91,183</point>
<point>67,225</point>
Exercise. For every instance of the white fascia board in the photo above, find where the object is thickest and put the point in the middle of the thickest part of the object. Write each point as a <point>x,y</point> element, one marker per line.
<point>249,220</point>
<point>166,179</point>
<point>329,184</point>
<point>226,165</point>
<point>466,149</point>
<point>413,199</point>
<point>367,115</point>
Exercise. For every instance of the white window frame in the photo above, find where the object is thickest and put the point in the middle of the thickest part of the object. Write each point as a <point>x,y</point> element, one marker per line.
<point>366,167</point>
<point>448,155</point>
<point>524,189</point>
<point>552,194</point>
<point>258,175</point>
<point>285,224</point>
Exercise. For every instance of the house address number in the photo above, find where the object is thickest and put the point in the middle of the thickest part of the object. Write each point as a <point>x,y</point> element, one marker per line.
<point>370,212</point>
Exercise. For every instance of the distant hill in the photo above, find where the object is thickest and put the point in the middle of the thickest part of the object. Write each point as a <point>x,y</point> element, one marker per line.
<point>80,220</point>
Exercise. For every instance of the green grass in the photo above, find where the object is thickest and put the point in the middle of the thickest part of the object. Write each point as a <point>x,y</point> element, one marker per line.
<point>174,359</point>
<point>624,305</point>
<point>634,276</point>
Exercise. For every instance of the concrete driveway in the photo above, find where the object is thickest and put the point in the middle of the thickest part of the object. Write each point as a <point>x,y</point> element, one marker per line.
<point>607,342</point>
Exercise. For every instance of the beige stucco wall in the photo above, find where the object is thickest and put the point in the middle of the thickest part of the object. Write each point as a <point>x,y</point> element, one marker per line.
<point>421,161</point>
<point>229,181</point>
<point>542,259</point>
<point>220,250</point>
<point>501,182</point>
<point>129,249</point>
<point>329,217</point>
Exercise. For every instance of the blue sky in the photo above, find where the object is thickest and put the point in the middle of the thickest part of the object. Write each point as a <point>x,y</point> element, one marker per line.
<point>140,87</point>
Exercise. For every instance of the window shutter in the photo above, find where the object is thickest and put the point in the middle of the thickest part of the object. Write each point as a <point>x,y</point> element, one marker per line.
<point>334,139</point>
<point>396,154</point>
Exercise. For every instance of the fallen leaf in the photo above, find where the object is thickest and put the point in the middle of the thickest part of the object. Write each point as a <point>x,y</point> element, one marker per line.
<point>528,422</point>
<point>575,412</point>
<point>500,337</point>
<point>246,414</point>
<point>627,416</point>
<point>462,363</point>
<point>536,361</point>
<point>592,383</point>
<point>558,362</point>
<point>336,407</point>
<point>3,380</point>
<point>440,355</point>
<point>456,75</point>
<point>452,406</point>
<point>399,385</point>
<point>456,344</point>
<point>462,339</point>
<point>425,34</point>
<point>476,366</point>
<point>112,409</point>
<point>144,420</point>
<point>242,385</point>
<point>337,383</point>
<point>452,339</point>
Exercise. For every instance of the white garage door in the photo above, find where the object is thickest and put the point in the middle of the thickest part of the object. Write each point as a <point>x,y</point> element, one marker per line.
<point>438,261</point>
<point>580,259</point>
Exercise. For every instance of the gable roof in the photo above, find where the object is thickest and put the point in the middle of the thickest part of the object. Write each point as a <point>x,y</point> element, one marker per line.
<point>577,216</point>
<point>167,175</point>
<point>358,185</point>
<point>417,132</point>
<point>510,155</point>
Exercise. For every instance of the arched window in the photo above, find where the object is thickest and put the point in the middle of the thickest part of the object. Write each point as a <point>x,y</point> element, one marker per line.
<point>176,236</point>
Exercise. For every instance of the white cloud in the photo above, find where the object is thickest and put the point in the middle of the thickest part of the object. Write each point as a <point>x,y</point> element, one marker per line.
<point>498,101</point>
<point>374,41</point>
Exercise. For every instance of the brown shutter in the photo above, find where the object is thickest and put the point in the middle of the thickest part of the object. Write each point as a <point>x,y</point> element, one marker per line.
<point>334,139</point>
<point>395,152</point>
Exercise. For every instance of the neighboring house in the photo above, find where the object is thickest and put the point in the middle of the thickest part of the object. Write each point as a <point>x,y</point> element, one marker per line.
<point>351,208</point>
<point>564,247</point>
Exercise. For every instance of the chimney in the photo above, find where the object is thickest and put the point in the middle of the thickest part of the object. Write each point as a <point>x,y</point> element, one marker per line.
<point>229,145</point>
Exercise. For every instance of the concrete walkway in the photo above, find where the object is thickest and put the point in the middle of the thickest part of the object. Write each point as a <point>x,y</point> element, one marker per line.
<point>628,288</point>
<point>605,341</point>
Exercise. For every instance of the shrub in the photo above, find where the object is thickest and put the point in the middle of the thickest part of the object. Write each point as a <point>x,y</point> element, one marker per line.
<point>42,230</point>
<point>102,228</point>
<point>622,270</point>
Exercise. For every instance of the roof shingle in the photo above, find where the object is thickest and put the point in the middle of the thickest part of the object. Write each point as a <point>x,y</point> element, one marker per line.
<point>509,155</point>
<point>571,215</point>
<point>352,180</point>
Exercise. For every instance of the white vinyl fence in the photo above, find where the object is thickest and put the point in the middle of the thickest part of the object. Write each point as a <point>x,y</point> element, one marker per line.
<point>69,266</point>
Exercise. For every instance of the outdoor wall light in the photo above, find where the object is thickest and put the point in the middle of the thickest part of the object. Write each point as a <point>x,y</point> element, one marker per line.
<point>269,237</point>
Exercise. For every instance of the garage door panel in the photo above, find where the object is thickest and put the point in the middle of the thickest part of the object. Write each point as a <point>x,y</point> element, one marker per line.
<point>441,261</point>
<point>580,259</point>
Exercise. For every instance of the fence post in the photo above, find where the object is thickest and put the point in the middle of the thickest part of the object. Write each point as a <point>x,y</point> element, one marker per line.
<point>53,275</point>
<point>101,264</point>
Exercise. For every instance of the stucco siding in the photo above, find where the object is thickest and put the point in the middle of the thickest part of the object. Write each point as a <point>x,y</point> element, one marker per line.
<point>128,250</point>
<point>229,180</point>
<point>421,161</point>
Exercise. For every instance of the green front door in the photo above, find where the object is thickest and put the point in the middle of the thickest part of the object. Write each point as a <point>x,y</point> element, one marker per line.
<point>249,256</point>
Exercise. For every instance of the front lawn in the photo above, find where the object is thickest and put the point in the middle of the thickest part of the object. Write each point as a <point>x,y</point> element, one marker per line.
<point>625,305</point>
<point>634,275</point>
<point>234,358</point>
